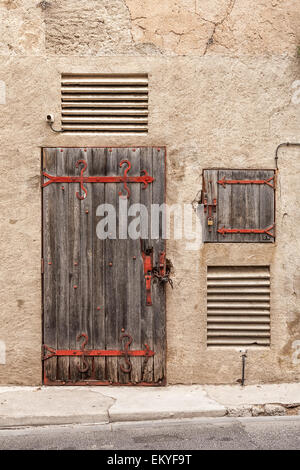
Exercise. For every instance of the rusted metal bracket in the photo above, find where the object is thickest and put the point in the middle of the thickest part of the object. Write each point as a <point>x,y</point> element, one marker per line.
<point>48,352</point>
<point>85,366</point>
<point>162,272</point>
<point>209,201</point>
<point>224,231</point>
<point>223,182</point>
<point>128,367</point>
<point>145,179</point>
<point>148,273</point>
<point>209,209</point>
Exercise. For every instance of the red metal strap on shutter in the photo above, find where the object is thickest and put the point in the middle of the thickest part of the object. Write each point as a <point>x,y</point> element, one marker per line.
<point>267,182</point>
<point>225,231</point>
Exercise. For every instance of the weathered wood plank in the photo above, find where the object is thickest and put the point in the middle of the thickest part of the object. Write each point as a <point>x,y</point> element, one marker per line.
<point>211,191</point>
<point>133,269</point>
<point>147,312</point>
<point>224,205</point>
<point>74,255</point>
<point>267,205</point>
<point>86,255</point>
<point>61,265</point>
<point>252,207</point>
<point>49,255</point>
<point>122,279</point>
<point>99,269</point>
<point>158,290</point>
<point>238,205</point>
<point>111,271</point>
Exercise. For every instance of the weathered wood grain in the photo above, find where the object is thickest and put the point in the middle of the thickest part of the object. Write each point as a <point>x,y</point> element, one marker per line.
<point>99,269</point>
<point>158,290</point>
<point>49,255</point>
<point>239,206</point>
<point>86,255</point>
<point>147,312</point>
<point>74,256</point>
<point>267,206</point>
<point>61,265</point>
<point>211,190</point>
<point>111,271</point>
<point>133,287</point>
<point>97,286</point>
<point>224,206</point>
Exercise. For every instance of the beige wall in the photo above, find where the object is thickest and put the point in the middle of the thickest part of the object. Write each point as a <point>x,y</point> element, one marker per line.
<point>220,78</point>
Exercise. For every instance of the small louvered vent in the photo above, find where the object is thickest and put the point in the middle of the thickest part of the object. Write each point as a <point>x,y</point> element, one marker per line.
<point>106,103</point>
<point>238,306</point>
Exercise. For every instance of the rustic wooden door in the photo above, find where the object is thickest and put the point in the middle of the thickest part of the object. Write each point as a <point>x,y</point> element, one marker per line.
<point>103,308</point>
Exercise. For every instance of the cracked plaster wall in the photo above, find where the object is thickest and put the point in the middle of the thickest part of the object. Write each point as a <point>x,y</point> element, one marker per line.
<point>221,77</point>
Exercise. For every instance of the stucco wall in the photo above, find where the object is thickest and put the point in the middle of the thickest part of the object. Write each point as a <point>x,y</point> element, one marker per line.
<point>221,78</point>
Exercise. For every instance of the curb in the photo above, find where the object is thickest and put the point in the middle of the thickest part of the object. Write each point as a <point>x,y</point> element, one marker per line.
<point>243,411</point>
<point>268,409</point>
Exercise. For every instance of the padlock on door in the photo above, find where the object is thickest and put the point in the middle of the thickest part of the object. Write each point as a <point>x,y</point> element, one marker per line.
<point>210,223</point>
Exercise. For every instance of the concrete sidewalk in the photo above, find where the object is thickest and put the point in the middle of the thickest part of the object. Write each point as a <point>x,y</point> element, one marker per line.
<point>29,406</point>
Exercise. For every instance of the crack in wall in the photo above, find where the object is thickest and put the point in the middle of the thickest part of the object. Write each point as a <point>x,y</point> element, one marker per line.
<point>211,39</point>
<point>179,19</point>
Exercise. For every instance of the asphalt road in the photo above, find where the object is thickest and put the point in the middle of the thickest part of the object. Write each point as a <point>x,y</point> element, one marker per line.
<point>201,433</point>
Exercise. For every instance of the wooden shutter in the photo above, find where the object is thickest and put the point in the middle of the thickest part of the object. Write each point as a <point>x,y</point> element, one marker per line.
<point>239,206</point>
<point>95,286</point>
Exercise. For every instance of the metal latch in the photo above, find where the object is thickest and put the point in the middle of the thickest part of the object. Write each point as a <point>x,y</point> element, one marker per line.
<point>148,263</point>
<point>161,273</point>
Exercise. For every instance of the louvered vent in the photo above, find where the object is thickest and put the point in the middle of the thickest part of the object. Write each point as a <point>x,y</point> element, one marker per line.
<point>238,306</point>
<point>105,103</point>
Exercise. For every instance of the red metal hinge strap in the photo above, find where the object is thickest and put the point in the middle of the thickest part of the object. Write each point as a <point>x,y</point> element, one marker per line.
<point>223,182</point>
<point>145,179</point>
<point>224,231</point>
<point>48,353</point>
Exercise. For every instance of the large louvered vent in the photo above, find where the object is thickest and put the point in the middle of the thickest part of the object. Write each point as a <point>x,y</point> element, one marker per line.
<point>238,306</point>
<point>106,103</point>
